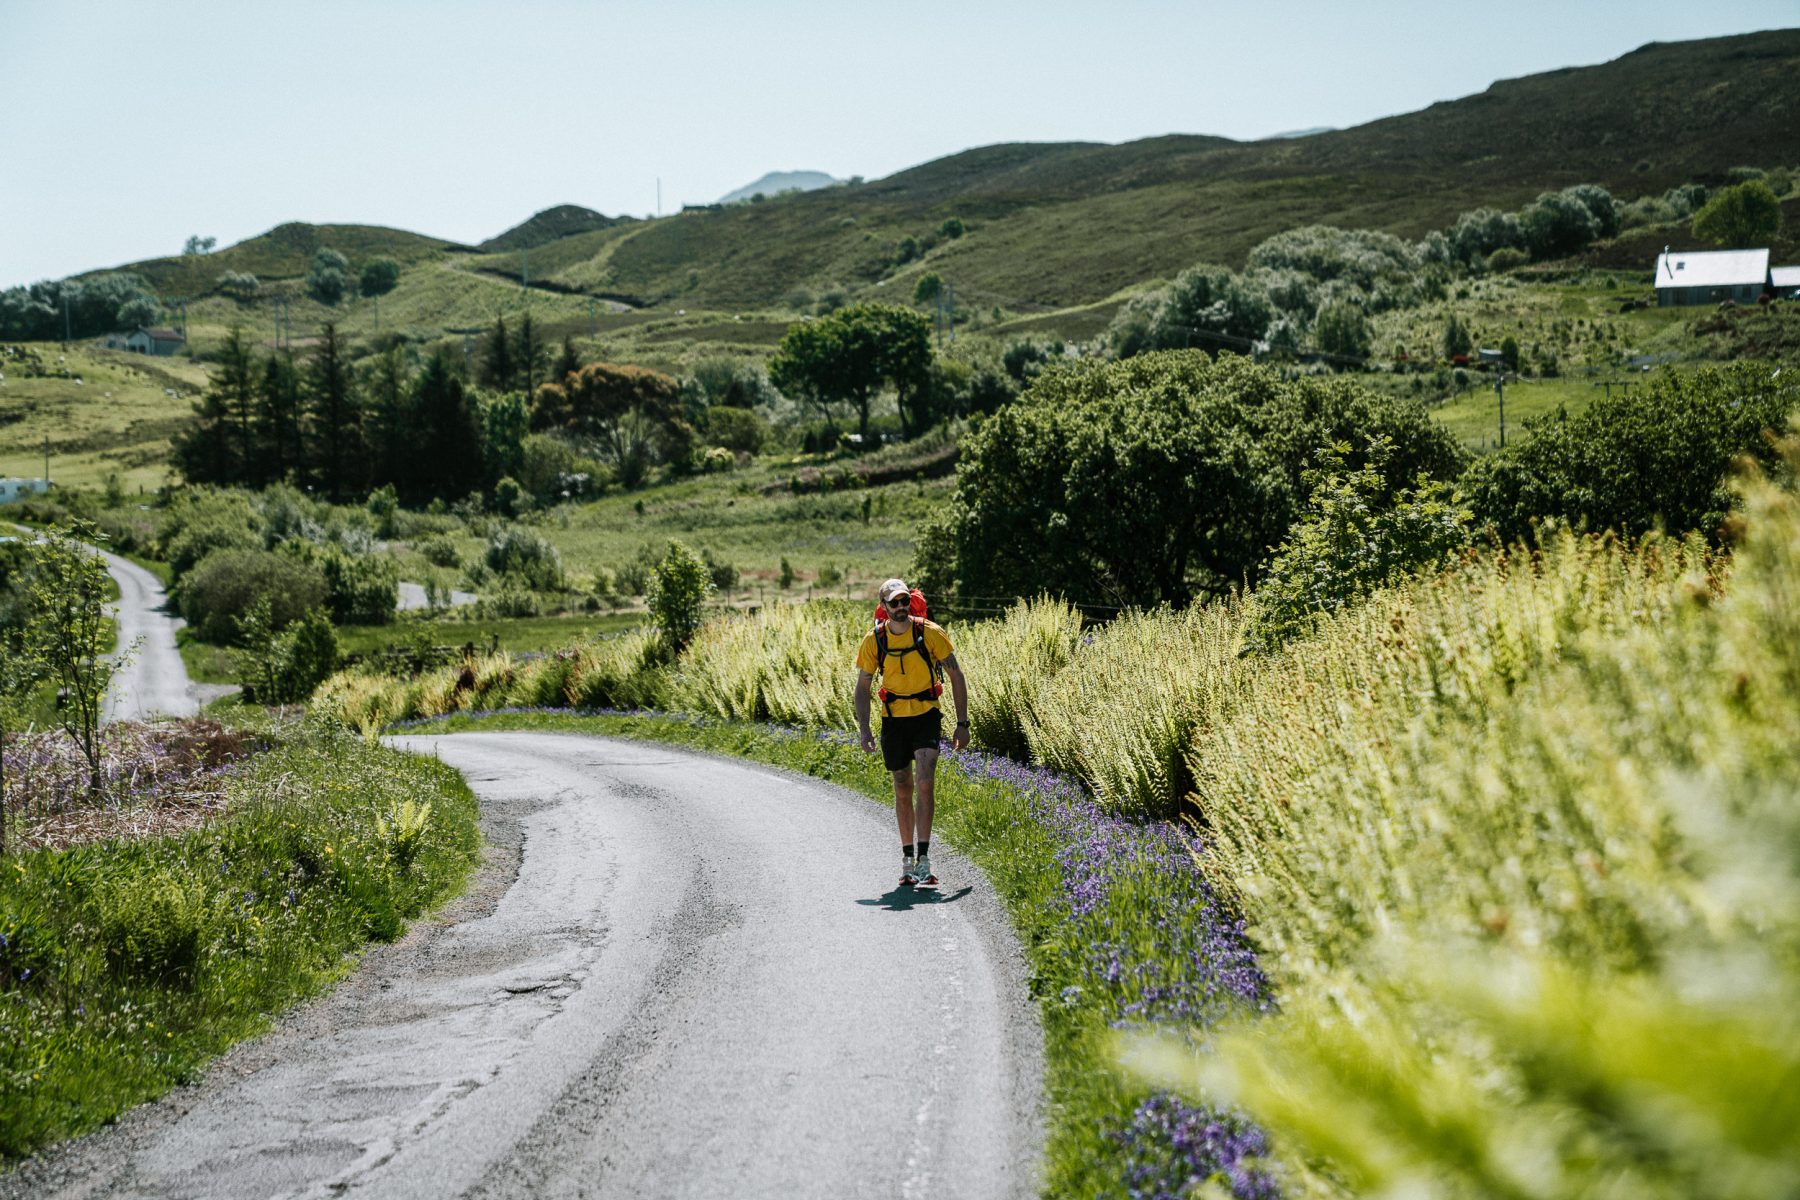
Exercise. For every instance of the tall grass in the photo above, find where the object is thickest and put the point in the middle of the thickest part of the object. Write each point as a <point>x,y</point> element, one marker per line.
<point>1518,845</point>
<point>1119,716</point>
<point>1013,658</point>
<point>789,663</point>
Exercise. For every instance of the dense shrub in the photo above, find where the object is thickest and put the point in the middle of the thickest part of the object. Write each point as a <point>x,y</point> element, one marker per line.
<point>195,527</point>
<point>1343,332</point>
<point>1362,259</point>
<point>736,429</point>
<point>1477,234</point>
<point>1352,540</point>
<point>1654,455</point>
<point>439,551</point>
<point>360,589</point>
<point>1208,307</point>
<point>1558,223</point>
<point>227,584</point>
<point>525,555</point>
<point>677,595</point>
<point>1151,480</point>
<point>285,667</point>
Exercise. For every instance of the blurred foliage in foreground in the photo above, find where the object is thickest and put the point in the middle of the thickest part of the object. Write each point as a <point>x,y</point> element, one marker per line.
<point>1520,845</point>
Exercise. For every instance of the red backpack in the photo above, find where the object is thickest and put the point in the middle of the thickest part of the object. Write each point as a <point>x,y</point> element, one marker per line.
<point>916,610</point>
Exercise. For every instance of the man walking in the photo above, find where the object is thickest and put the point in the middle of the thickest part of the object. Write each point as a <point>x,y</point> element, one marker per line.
<point>908,651</point>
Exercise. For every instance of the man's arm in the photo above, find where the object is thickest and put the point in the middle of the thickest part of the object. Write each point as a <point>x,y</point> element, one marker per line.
<point>863,680</point>
<point>959,692</point>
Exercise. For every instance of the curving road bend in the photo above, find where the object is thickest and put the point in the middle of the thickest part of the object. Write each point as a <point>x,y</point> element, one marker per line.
<point>154,681</point>
<point>675,976</point>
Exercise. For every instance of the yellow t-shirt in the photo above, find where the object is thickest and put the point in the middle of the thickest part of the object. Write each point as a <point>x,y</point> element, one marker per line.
<point>905,673</point>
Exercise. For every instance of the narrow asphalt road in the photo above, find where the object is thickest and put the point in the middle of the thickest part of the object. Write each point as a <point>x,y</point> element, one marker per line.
<point>674,976</point>
<point>154,683</point>
<point>412,596</point>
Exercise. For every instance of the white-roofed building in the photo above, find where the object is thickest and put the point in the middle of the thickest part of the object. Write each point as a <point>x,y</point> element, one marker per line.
<point>1785,281</point>
<point>1710,276</point>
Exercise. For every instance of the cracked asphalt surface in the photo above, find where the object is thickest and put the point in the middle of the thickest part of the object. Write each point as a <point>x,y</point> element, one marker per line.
<point>675,975</point>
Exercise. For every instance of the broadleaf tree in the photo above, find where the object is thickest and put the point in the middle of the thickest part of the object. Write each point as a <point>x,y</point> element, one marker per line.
<point>848,357</point>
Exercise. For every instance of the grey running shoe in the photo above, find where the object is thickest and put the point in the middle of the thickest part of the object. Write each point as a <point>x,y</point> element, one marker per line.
<point>922,872</point>
<point>909,872</point>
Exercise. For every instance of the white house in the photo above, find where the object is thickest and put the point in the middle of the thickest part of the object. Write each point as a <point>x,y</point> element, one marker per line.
<point>154,341</point>
<point>1709,276</point>
<point>1785,281</point>
<point>13,490</point>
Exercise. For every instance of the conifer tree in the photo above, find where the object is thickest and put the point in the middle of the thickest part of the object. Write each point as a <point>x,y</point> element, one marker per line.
<point>530,357</point>
<point>333,427</point>
<point>447,442</point>
<point>389,421</point>
<point>278,448</point>
<point>567,363</point>
<point>216,448</point>
<point>496,369</point>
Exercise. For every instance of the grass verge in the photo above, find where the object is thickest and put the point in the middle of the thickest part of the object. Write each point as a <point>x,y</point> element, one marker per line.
<point>1076,881</point>
<point>126,965</point>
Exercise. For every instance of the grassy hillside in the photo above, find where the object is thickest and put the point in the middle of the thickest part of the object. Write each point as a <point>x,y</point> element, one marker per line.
<point>1091,219</point>
<point>104,413</point>
<point>563,221</point>
<point>284,252</point>
<point>1056,231</point>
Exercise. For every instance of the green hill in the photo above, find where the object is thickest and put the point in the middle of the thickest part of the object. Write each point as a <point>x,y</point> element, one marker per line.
<point>1056,233</point>
<point>563,221</point>
<point>285,252</point>
<point>1057,225</point>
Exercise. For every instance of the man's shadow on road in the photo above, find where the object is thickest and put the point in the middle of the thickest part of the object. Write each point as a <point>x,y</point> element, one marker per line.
<point>903,899</point>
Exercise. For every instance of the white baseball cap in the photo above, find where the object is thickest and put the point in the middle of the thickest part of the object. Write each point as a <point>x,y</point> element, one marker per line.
<point>892,586</point>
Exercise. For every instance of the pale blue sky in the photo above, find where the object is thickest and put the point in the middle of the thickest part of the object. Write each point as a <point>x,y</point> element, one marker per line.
<point>126,127</point>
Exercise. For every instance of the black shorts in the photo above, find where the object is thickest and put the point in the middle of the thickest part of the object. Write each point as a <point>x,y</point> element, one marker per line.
<point>902,737</point>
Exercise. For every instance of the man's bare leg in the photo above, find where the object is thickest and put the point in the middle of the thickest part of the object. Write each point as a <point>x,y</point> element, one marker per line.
<point>903,804</point>
<point>925,764</point>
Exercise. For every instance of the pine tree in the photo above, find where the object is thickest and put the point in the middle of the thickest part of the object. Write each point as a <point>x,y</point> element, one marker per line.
<point>530,357</point>
<point>333,428</point>
<point>497,370</point>
<point>567,363</point>
<point>278,419</point>
<point>389,422</point>
<point>216,448</point>
<point>447,444</point>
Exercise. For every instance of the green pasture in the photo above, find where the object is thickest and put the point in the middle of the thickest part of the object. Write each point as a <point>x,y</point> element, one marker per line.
<point>512,634</point>
<point>104,412</point>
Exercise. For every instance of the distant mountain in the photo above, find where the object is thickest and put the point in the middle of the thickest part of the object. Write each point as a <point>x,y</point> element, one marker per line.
<point>1300,133</point>
<point>565,220</point>
<point>776,182</point>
